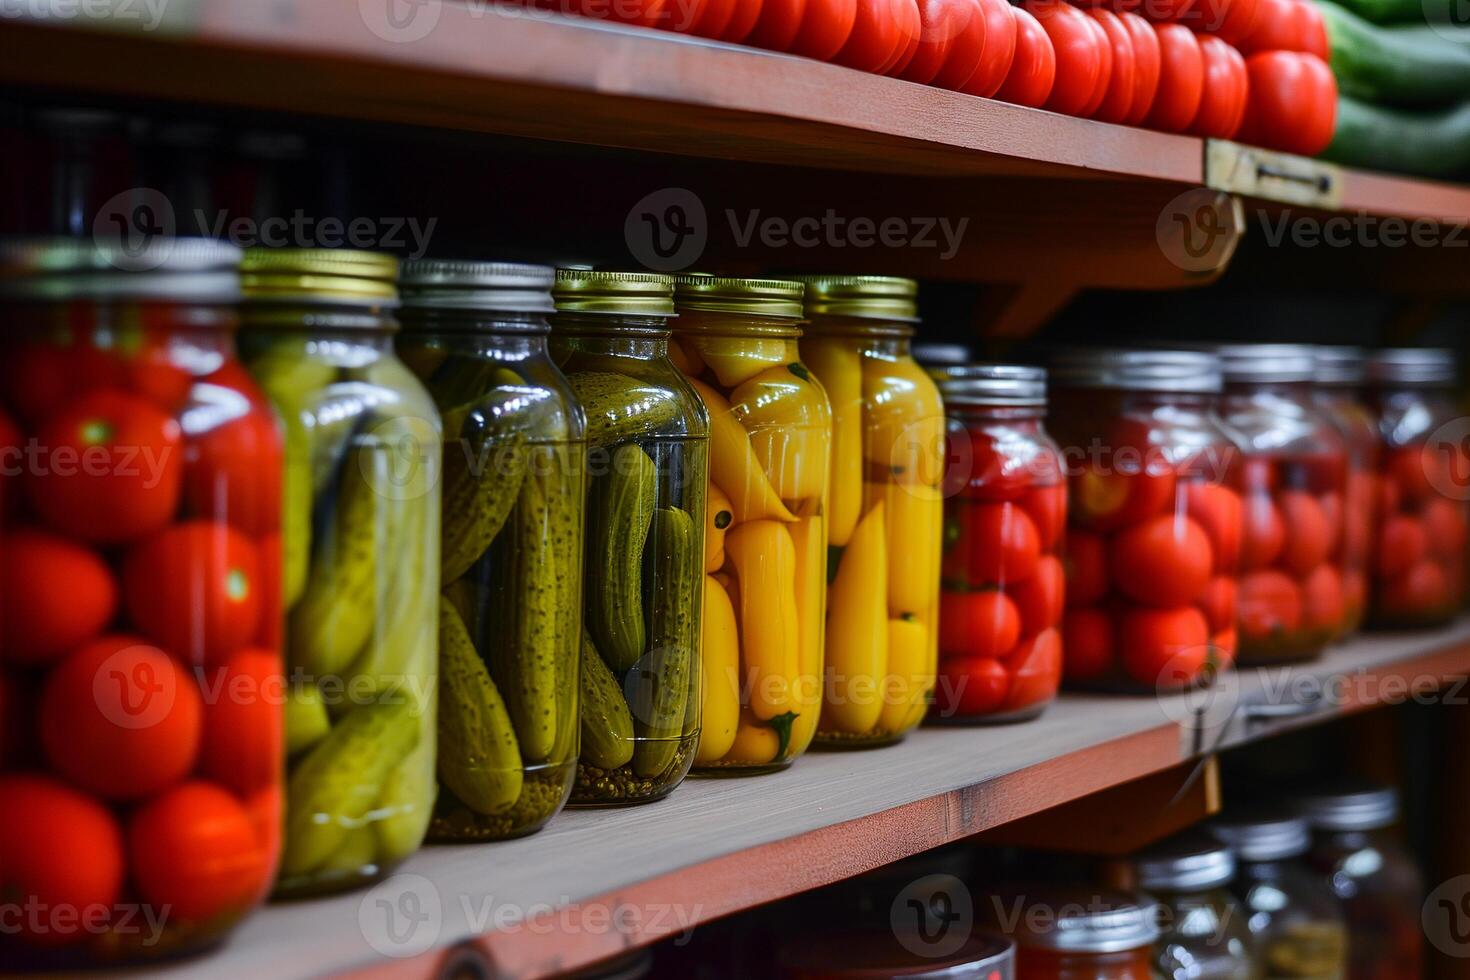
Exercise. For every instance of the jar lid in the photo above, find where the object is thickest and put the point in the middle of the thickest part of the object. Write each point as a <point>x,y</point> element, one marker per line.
<point>1187,862</point>
<point>1350,805</point>
<point>874,297</point>
<point>752,297</point>
<point>941,355</point>
<point>875,955</point>
<point>1430,367</point>
<point>1130,369</point>
<point>320,275</point>
<point>1086,922</point>
<point>1343,366</point>
<point>1266,363</point>
<point>1263,835</point>
<point>641,294</point>
<point>183,270</point>
<point>992,384</point>
<point>500,287</point>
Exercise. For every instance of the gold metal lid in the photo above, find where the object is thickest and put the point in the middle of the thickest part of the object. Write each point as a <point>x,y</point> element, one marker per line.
<point>752,297</point>
<point>323,275</point>
<point>640,294</point>
<point>874,297</point>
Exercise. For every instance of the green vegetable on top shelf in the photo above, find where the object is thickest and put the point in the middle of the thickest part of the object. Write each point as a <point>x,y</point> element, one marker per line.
<point>1402,11</point>
<point>1385,66</point>
<point>1424,144</point>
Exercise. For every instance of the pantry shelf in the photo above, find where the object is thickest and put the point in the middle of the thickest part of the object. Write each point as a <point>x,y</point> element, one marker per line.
<point>550,902</point>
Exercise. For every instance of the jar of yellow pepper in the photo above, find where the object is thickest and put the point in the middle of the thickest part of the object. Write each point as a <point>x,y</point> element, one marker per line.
<point>765,549</point>
<point>885,518</point>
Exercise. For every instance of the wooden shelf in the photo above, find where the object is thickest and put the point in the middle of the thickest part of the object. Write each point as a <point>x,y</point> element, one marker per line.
<point>718,846</point>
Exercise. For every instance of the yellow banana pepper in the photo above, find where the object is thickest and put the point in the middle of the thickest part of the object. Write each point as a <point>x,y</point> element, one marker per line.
<point>764,559</point>
<point>685,357</point>
<point>735,360</point>
<point>786,413</point>
<point>915,520</point>
<point>905,420</point>
<point>718,517</point>
<point>720,664</point>
<point>733,466</point>
<point>810,539</point>
<point>756,744</point>
<point>839,368</point>
<point>857,630</point>
<point>911,669</point>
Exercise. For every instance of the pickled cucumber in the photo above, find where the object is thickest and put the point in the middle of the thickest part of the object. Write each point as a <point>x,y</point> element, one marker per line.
<point>607,724</point>
<point>620,407</point>
<point>479,759</point>
<point>620,510</point>
<point>658,695</point>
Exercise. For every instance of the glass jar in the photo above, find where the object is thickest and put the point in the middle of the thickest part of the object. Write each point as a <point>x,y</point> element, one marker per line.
<point>1203,934</point>
<point>1296,923</point>
<point>1375,877</point>
<point>890,956</point>
<point>887,511</point>
<point>1419,558</point>
<point>1292,478</point>
<point>510,560</point>
<point>1005,510</point>
<point>765,546</point>
<point>1341,374</point>
<point>1153,537</point>
<point>648,440</point>
<point>1083,935</point>
<point>360,558</point>
<point>140,668</point>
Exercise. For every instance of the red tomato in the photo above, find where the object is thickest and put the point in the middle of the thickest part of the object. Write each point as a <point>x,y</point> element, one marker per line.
<point>1402,544</point>
<point>1036,671</point>
<point>1309,537</point>
<point>121,718</point>
<point>875,36</point>
<point>825,27</point>
<point>714,17</point>
<point>243,742</point>
<point>1231,21</point>
<point>61,851</point>
<point>645,13</point>
<point>1287,25</point>
<point>1217,601</point>
<point>1047,508</point>
<point>1122,83</point>
<point>1262,533</point>
<point>1164,11</point>
<point>233,473</point>
<point>1293,102</point>
<point>57,594</point>
<point>194,850</point>
<point>1181,79</point>
<point>1105,74</point>
<point>1165,561</point>
<point>952,44</point>
<point>1004,545</point>
<point>992,471</point>
<point>1323,602</point>
<point>1033,66</point>
<point>1269,603</point>
<point>265,815</point>
<point>1040,598</point>
<point>1422,589</point>
<point>1387,498</point>
<point>977,624</point>
<point>38,381</point>
<point>1444,525</point>
<point>1164,647</point>
<point>196,589</point>
<point>1218,511</point>
<point>110,468</point>
<point>1354,592</point>
<point>742,21</point>
<point>971,687</point>
<point>1258,475</point>
<point>1146,67</point>
<point>1000,49</point>
<point>1087,644</point>
<point>1225,92</point>
<point>1079,54</point>
<point>779,22</point>
<point>910,29</point>
<point>1087,569</point>
<point>1130,482</point>
<point>1227,645</point>
<point>1415,470</point>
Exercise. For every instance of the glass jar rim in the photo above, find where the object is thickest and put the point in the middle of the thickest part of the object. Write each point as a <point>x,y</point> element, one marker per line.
<point>1179,371</point>
<point>1341,366</point>
<point>319,276</point>
<point>991,384</point>
<point>1415,367</point>
<point>1348,806</point>
<point>622,294</point>
<point>477,286</point>
<point>1188,862</point>
<point>1268,834</point>
<point>1088,922</point>
<point>767,298</point>
<point>54,268</point>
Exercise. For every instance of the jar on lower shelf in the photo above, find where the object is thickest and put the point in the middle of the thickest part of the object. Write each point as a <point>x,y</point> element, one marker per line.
<point>1082,935</point>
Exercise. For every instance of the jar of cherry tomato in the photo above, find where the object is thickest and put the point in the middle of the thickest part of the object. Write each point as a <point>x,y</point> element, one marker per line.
<point>765,544</point>
<point>1341,374</point>
<point>1153,537</point>
<point>1419,559</point>
<point>1375,877</point>
<point>360,561</point>
<point>1082,935</point>
<point>140,668</point>
<point>512,499</point>
<point>887,510</point>
<point>1005,507</point>
<point>1292,478</point>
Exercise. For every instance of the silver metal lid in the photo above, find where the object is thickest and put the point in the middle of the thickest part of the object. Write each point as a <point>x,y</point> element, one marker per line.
<point>941,355</point>
<point>1263,835</point>
<point>1350,805</point>
<point>1188,862</point>
<point>500,287</point>
<point>1016,385</point>
<point>1341,366</point>
<point>1086,922</point>
<point>1267,363</point>
<point>1429,367</point>
<point>184,270</point>
<point>1129,369</point>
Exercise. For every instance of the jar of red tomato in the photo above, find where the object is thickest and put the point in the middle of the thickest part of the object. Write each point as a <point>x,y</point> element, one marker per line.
<point>1292,478</point>
<point>140,672</point>
<point>1419,558</point>
<point>1005,506</point>
<point>1153,535</point>
<point>1341,374</point>
<point>1082,935</point>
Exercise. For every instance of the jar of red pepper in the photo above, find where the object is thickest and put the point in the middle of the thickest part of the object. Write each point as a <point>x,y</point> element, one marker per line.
<point>1153,535</point>
<point>1419,563</point>
<point>1341,373</point>
<point>140,673</point>
<point>1005,508</point>
<point>1292,478</point>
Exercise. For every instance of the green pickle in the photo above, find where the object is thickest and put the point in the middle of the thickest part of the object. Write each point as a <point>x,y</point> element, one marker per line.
<point>510,611</point>
<point>361,562</point>
<point>648,436</point>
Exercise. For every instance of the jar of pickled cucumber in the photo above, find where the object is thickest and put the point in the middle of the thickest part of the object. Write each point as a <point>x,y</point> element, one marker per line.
<point>140,666</point>
<point>765,545</point>
<point>360,535</point>
<point>648,471</point>
<point>510,559</point>
<point>1341,374</point>
<point>886,512</point>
